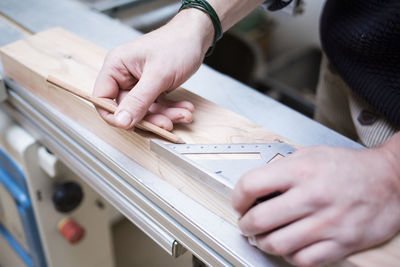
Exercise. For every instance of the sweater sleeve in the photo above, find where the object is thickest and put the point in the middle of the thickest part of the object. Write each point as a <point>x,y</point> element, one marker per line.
<point>274,5</point>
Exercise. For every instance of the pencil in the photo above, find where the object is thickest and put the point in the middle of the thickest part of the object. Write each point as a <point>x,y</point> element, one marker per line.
<point>101,103</point>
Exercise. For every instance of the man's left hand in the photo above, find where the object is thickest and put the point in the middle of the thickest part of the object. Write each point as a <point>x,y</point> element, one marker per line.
<point>333,201</point>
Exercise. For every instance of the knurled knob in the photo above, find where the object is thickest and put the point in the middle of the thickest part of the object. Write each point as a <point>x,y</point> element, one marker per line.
<point>67,196</point>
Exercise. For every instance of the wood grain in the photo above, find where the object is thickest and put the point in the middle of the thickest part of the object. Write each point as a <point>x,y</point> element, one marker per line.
<point>77,61</point>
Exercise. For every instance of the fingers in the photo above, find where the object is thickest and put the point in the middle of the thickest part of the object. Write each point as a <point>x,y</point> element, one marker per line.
<point>319,253</point>
<point>163,113</point>
<point>179,104</point>
<point>106,115</point>
<point>259,183</point>
<point>106,87</point>
<point>175,114</point>
<point>276,212</point>
<point>160,120</point>
<point>291,238</point>
<point>164,117</point>
<point>109,82</point>
<point>135,104</point>
<point>112,77</point>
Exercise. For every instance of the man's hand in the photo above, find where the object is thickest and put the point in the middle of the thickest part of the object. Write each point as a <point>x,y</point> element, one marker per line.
<point>136,73</point>
<point>334,201</point>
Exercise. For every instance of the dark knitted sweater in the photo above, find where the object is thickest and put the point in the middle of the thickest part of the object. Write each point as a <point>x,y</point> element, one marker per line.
<point>361,38</point>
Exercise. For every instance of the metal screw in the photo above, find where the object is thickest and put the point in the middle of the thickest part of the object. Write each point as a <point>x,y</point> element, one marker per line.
<point>100,204</point>
<point>39,195</point>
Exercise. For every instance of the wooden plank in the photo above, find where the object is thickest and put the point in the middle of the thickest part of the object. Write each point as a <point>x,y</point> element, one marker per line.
<point>76,61</point>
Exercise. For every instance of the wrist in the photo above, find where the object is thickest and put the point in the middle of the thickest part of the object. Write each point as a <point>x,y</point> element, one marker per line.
<point>197,25</point>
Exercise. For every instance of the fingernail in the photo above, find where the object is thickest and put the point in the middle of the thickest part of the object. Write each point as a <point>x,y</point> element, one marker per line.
<point>252,240</point>
<point>124,118</point>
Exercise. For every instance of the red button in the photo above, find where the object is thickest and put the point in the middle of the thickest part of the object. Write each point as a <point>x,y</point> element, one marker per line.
<point>71,230</point>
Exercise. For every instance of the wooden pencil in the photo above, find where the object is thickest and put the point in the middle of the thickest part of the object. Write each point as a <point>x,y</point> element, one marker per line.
<point>101,103</point>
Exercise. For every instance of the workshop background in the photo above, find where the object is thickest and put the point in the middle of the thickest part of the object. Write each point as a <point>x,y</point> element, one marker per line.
<point>279,55</point>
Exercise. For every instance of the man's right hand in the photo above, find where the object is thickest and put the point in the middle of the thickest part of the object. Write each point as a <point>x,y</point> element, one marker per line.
<point>135,74</point>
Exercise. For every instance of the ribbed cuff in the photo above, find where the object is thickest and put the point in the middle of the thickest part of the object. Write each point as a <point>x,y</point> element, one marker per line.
<point>274,5</point>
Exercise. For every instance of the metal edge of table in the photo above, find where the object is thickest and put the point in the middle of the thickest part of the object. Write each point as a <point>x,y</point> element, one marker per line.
<point>118,192</point>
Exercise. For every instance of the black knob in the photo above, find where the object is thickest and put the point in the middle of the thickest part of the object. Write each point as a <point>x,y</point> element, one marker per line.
<point>67,196</point>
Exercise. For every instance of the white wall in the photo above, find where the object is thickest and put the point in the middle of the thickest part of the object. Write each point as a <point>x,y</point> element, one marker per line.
<point>298,31</point>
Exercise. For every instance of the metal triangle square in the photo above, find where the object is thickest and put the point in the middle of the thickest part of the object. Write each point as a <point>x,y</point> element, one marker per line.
<point>219,174</point>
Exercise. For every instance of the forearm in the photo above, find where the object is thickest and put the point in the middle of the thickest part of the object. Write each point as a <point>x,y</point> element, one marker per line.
<point>232,11</point>
<point>199,24</point>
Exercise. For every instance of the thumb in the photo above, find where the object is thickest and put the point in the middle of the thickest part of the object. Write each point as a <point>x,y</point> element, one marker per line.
<point>136,103</point>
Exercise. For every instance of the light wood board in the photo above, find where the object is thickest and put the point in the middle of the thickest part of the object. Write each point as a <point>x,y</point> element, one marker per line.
<point>77,62</point>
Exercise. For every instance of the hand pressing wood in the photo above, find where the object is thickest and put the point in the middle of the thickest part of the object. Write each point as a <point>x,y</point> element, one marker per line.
<point>101,103</point>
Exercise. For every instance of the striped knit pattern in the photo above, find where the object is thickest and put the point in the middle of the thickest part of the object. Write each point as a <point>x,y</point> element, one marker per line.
<point>362,41</point>
<point>376,133</point>
<point>339,109</point>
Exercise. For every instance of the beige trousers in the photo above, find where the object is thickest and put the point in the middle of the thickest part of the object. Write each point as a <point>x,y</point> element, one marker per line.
<point>343,111</point>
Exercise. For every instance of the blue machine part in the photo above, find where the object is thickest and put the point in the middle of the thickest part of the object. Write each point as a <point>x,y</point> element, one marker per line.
<point>16,246</point>
<point>14,181</point>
